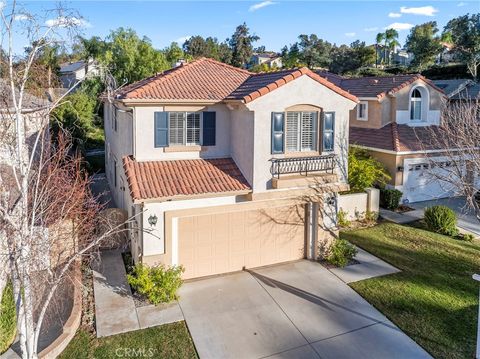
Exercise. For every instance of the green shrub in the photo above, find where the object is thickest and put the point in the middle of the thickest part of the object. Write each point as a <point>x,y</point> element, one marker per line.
<point>341,253</point>
<point>364,171</point>
<point>159,284</point>
<point>468,237</point>
<point>441,219</point>
<point>8,319</point>
<point>370,217</point>
<point>342,218</point>
<point>390,198</point>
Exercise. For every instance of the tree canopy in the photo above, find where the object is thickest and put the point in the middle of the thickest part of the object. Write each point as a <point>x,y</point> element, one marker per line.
<point>424,44</point>
<point>241,44</point>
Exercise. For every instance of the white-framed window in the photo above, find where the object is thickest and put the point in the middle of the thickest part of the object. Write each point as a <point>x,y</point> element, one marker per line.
<point>184,128</point>
<point>416,105</point>
<point>301,131</point>
<point>362,111</point>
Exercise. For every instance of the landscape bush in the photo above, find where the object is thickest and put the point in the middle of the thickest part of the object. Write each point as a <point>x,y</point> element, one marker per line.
<point>342,218</point>
<point>7,319</point>
<point>468,237</point>
<point>341,253</point>
<point>441,219</point>
<point>158,283</point>
<point>390,198</point>
<point>365,171</point>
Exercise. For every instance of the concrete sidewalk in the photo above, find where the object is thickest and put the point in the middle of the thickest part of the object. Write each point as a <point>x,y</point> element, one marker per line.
<point>115,310</point>
<point>369,266</point>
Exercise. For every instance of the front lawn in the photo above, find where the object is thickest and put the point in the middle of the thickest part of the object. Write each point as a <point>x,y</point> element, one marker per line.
<point>434,299</point>
<point>166,341</point>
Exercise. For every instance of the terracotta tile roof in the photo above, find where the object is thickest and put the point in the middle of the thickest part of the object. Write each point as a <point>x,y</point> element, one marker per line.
<point>378,86</point>
<point>260,84</point>
<point>394,137</point>
<point>207,79</point>
<point>166,179</point>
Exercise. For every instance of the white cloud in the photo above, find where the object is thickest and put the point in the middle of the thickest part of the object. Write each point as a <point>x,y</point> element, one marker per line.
<point>63,21</point>
<point>461,3</point>
<point>399,26</point>
<point>394,14</point>
<point>370,29</point>
<point>260,5</point>
<point>422,10</point>
<point>350,34</point>
<point>2,4</point>
<point>182,39</point>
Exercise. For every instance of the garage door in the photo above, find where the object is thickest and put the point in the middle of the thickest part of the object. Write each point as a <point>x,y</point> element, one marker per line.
<point>226,242</point>
<point>421,185</point>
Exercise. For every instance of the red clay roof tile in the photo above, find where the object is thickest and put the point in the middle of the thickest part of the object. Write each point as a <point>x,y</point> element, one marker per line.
<point>394,137</point>
<point>160,179</point>
<point>207,79</point>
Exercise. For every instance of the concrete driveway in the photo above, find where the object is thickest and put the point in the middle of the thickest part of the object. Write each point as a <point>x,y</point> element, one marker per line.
<point>294,310</point>
<point>466,217</point>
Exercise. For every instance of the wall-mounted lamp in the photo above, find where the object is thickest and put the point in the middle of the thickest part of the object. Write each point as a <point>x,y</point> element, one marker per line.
<point>400,168</point>
<point>152,220</point>
<point>331,201</point>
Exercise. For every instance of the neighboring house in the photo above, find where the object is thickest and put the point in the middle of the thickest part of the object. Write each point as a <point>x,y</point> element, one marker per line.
<point>459,89</point>
<point>72,73</point>
<point>446,55</point>
<point>271,59</point>
<point>35,115</point>
<point>393,121</point>
<point>402,57</point>
<point>225,169</point>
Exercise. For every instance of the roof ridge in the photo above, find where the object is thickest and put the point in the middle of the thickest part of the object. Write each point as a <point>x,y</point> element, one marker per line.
<point>395,137</point>
<point>209,59</point>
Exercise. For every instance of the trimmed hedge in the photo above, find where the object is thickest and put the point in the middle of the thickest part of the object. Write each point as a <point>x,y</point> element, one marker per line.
<point>441,219</point>
<point>390,198</point>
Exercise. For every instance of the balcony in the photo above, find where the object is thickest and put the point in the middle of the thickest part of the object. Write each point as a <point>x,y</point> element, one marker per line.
<point>303,171</point>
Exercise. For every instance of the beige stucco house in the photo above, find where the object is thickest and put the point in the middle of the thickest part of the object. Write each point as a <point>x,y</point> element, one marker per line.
<point>226,169</point>
<point>393,121</point>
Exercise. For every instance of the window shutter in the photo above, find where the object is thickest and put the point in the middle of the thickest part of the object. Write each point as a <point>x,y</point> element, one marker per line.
<point>209,128</point>
<point>328,126</point>
<point>278,132</point>
<point>161,129</point>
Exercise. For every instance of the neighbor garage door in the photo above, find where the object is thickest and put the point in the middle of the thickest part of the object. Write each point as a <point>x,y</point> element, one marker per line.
<point>226,242</point>
<point>420,183</point>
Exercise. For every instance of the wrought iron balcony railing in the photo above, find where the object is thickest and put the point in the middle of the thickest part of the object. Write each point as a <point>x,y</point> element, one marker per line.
<point>302,165</point>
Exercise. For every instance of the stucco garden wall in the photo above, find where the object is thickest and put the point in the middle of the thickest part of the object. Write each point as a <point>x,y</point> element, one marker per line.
<point>355,205</point>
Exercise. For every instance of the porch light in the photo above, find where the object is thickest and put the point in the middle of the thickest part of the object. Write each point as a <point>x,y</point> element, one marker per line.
<point>152,220</point>
<point>400,168</point>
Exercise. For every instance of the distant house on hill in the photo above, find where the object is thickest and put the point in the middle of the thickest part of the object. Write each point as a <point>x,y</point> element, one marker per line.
<point>73,72</point>
<point>271,59</point>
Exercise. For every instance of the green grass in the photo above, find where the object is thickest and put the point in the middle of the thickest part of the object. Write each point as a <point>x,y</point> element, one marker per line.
<point>434,299</point>
<point>7,319</point>
<point>166,341</point>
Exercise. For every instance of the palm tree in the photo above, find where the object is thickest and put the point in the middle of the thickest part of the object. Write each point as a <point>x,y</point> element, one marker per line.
<point>391,36</point>
<point>379,39</point>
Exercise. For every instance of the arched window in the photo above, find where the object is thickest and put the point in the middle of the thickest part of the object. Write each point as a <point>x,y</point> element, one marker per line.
<point>416,105</point>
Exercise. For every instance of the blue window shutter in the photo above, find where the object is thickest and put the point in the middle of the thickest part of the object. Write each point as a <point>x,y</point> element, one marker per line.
<point>328,127</point>
<point>161,129</point>
<point>209,128</point>
<point>278,132</point>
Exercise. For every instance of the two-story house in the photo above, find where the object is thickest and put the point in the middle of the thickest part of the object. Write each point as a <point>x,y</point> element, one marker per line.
<point>225,169</point>
<point>393,120</point>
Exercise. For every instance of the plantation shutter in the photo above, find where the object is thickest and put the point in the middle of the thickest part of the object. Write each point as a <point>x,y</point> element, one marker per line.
<point>278,132</point>
<point>293,131</point>
<point>209,128</point>
<point>328,131</point>
<point>161,129</point>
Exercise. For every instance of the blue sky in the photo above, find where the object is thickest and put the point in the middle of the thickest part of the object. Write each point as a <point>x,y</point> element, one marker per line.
<point>277,22</point>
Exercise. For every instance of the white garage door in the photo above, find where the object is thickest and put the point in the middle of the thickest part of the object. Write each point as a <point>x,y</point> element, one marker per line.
<point>420,183</point>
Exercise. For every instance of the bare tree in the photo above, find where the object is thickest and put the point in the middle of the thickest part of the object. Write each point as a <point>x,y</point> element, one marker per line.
<point>457,142</point>
<point>48,217</point>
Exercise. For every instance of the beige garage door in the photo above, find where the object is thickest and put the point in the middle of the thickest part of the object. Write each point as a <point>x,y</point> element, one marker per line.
<point>226,242</point>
